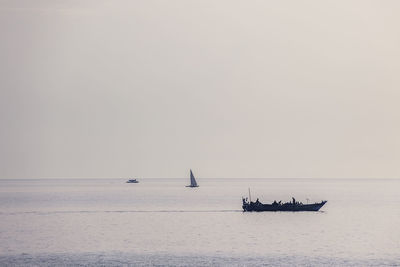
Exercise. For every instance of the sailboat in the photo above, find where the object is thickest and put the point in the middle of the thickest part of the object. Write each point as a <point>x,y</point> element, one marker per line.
<point>192,180</point>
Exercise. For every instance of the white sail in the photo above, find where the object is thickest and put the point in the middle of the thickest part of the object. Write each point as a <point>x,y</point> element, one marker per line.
<point>192,180</point>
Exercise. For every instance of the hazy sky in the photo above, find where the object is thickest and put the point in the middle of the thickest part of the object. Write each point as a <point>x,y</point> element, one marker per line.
<point>227,88</point>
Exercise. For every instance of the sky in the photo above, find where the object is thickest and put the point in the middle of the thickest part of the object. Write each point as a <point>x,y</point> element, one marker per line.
<point>283,89</point>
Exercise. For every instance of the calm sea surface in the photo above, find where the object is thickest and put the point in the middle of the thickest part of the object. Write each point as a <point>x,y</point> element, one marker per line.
<point>51,222</point>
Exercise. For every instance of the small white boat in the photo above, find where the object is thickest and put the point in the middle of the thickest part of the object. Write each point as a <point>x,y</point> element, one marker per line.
<point>132,181</point>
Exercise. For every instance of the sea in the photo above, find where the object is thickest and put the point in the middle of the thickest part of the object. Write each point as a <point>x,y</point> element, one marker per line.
<point>160,222</point>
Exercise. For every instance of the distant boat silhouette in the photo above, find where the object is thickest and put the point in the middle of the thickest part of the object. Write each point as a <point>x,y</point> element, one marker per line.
<point>132,181</point>
<point>278,206</point>
<point>192,180</point>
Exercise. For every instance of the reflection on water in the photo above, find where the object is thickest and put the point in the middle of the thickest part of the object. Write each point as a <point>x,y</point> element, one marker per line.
<point>55,220</point>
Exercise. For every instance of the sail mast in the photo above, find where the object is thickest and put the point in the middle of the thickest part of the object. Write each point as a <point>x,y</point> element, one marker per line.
<point>249,195</point>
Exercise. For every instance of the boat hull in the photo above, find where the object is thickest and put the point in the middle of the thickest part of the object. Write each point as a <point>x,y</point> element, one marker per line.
<point>258,207</point>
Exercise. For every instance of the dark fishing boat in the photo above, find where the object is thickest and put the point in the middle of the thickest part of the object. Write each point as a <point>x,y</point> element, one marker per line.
<point>278,206</point>
<point>132,181</point>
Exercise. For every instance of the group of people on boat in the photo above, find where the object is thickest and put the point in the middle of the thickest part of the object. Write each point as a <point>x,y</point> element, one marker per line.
<point>275,203</point>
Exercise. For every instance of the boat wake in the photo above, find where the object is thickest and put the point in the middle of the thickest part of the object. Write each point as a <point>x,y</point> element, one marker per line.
<point>112,211</point>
